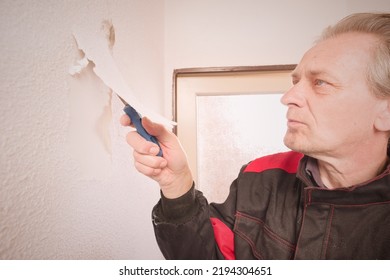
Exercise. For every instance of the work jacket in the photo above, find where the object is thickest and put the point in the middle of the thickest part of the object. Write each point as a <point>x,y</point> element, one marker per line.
<point>276,210</point>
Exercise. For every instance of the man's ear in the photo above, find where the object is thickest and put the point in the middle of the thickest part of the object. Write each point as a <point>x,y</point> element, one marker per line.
<point>382,121</point>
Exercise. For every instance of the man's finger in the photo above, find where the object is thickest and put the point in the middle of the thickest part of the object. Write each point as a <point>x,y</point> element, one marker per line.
<point>125,120</point>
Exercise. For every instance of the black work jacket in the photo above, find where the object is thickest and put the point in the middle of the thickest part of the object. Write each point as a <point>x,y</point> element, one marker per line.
<point>275,211</point>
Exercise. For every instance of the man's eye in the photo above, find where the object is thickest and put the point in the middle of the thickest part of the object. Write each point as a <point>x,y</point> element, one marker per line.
<point>319,82</point>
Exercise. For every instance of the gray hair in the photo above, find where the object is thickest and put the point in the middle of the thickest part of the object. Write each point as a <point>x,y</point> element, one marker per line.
<point>377,24</point>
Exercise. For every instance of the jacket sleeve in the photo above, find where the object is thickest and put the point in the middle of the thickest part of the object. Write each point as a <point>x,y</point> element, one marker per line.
<point>189,228</point>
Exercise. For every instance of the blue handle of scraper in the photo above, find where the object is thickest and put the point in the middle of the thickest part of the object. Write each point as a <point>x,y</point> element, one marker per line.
<point>136,120</point>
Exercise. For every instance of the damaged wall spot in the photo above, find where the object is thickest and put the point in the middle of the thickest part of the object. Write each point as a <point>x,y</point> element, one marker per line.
<point>109,31</point>
<point>79,65</point>
<point>91,111</point>
<point>103,124</point>
<point>90,123</point>
<point>96,78</point>
<point>97,46</point>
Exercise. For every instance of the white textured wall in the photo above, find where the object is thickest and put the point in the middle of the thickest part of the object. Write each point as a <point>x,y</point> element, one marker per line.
<point>52,204</point>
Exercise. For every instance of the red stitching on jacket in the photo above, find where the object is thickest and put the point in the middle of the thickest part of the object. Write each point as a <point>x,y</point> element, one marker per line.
<point>268,231</point>
<point>352,205</point>
<point>300,230</point>
<point>329,228</point>
<point>251,244</point>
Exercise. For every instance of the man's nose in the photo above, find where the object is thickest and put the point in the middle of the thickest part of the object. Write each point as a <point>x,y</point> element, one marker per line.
<point>294,96</point>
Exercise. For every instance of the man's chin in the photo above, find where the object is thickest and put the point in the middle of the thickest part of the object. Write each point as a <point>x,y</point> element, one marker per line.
<point>293,144</point>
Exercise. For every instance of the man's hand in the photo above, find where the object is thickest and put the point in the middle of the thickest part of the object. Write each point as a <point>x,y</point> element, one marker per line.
<point>171,171</point>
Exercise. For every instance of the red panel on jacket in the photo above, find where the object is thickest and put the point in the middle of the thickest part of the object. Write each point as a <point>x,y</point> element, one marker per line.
<point>224,237</point>
<point>287,161</point>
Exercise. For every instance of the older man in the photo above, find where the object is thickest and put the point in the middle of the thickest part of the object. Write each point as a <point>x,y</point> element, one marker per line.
<point>329,198</point>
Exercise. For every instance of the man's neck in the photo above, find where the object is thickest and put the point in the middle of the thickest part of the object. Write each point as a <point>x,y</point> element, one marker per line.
<point>339,173</point>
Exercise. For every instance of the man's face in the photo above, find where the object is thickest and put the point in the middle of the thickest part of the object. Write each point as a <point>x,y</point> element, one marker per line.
<point>331,108</point>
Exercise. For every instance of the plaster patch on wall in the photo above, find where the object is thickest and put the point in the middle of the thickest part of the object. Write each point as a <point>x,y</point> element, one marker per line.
<point>79,66</point>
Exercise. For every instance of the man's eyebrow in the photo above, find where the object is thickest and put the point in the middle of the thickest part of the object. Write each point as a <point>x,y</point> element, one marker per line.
<point>318,72</point>
<point>296,74</point>
<point>329,76</point>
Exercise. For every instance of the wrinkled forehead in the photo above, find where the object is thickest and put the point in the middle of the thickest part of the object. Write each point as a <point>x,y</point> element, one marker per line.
<point>344,53</point>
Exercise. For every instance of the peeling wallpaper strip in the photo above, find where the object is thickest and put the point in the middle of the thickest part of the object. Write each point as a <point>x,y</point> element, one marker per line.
<point>96,46</point>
